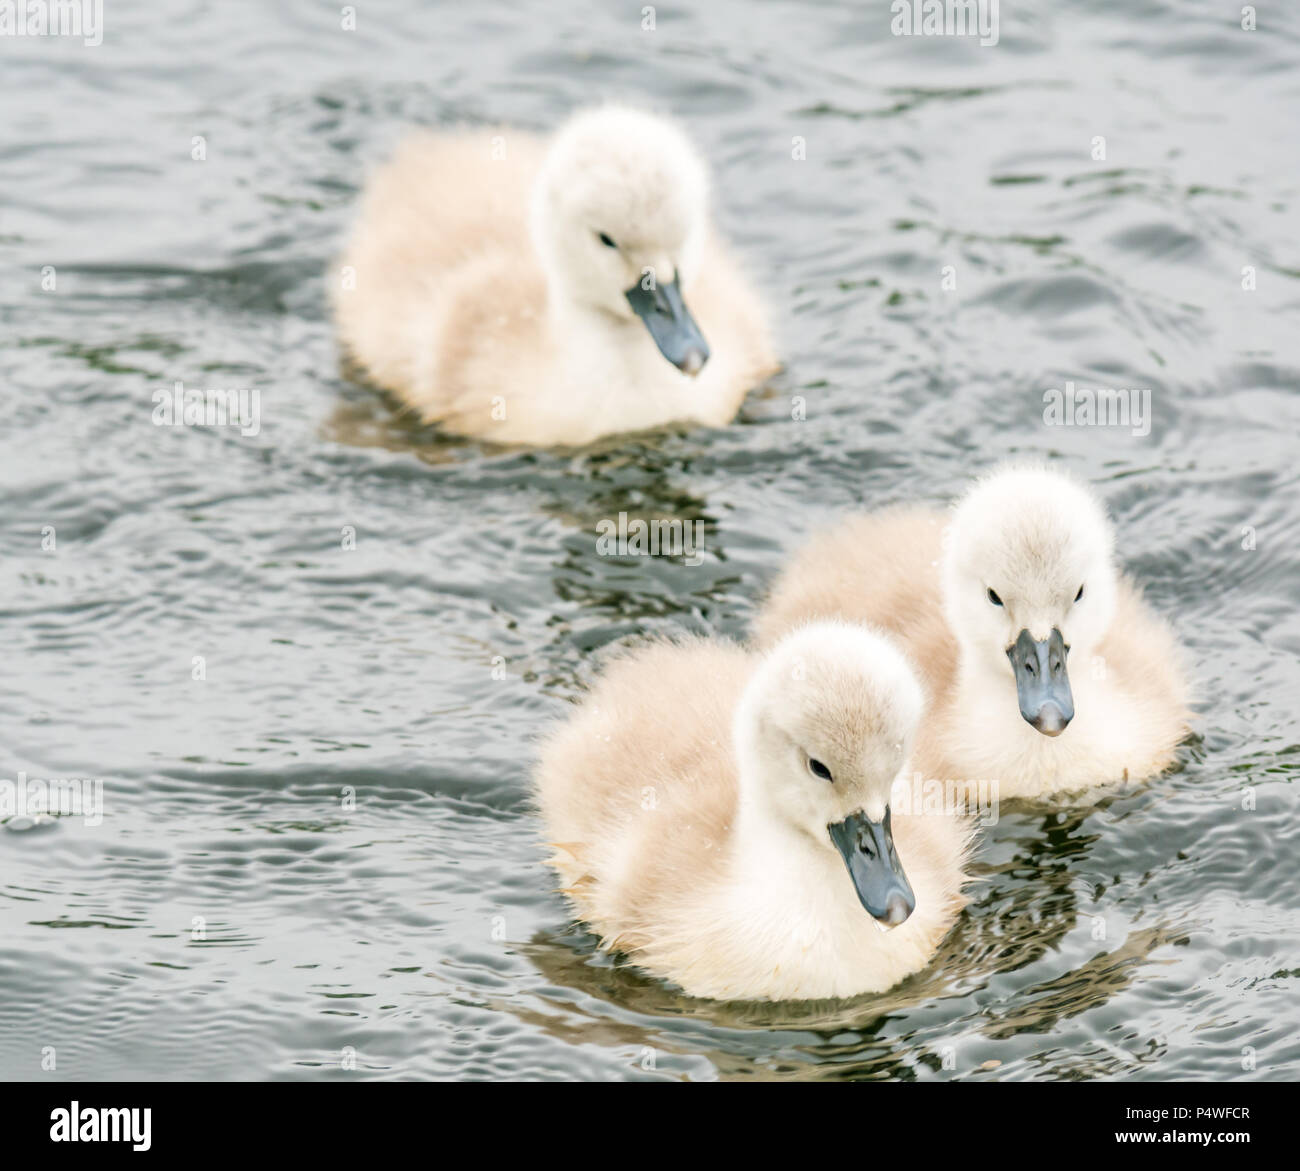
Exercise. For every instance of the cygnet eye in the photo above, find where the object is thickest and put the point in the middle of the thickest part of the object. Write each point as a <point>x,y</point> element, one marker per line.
<point>818,769</point>
<point>1079,594</point>
<point>604,239</point>
<point>993,597</point>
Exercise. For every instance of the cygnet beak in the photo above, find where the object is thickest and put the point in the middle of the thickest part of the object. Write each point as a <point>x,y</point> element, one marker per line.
<point>671,325</point>
<point>1042,682</point>
<point>867,848</point>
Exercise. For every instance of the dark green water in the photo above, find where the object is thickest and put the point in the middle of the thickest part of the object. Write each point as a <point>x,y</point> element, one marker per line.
<point>417,930</point>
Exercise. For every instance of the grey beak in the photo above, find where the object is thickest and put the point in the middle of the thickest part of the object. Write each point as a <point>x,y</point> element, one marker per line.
<point>1042,683</point>
<point>867,848</point>
<point>671,325</point>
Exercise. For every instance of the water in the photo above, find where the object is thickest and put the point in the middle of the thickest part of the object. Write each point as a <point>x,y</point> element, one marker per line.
<point>230,918</point>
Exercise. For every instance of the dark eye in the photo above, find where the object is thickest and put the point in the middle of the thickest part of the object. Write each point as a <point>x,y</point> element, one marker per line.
<point>818,769</point>
<point>604,239</point>
<point>993,597</point>
<point>1079,594</point>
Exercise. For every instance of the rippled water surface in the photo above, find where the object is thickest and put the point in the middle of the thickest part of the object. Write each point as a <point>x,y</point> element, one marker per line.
<point>232,917</point>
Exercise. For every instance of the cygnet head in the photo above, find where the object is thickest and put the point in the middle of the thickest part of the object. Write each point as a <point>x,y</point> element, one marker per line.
<point>823,730</point>
<point>1028,579</point>
<point>619,218</point>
